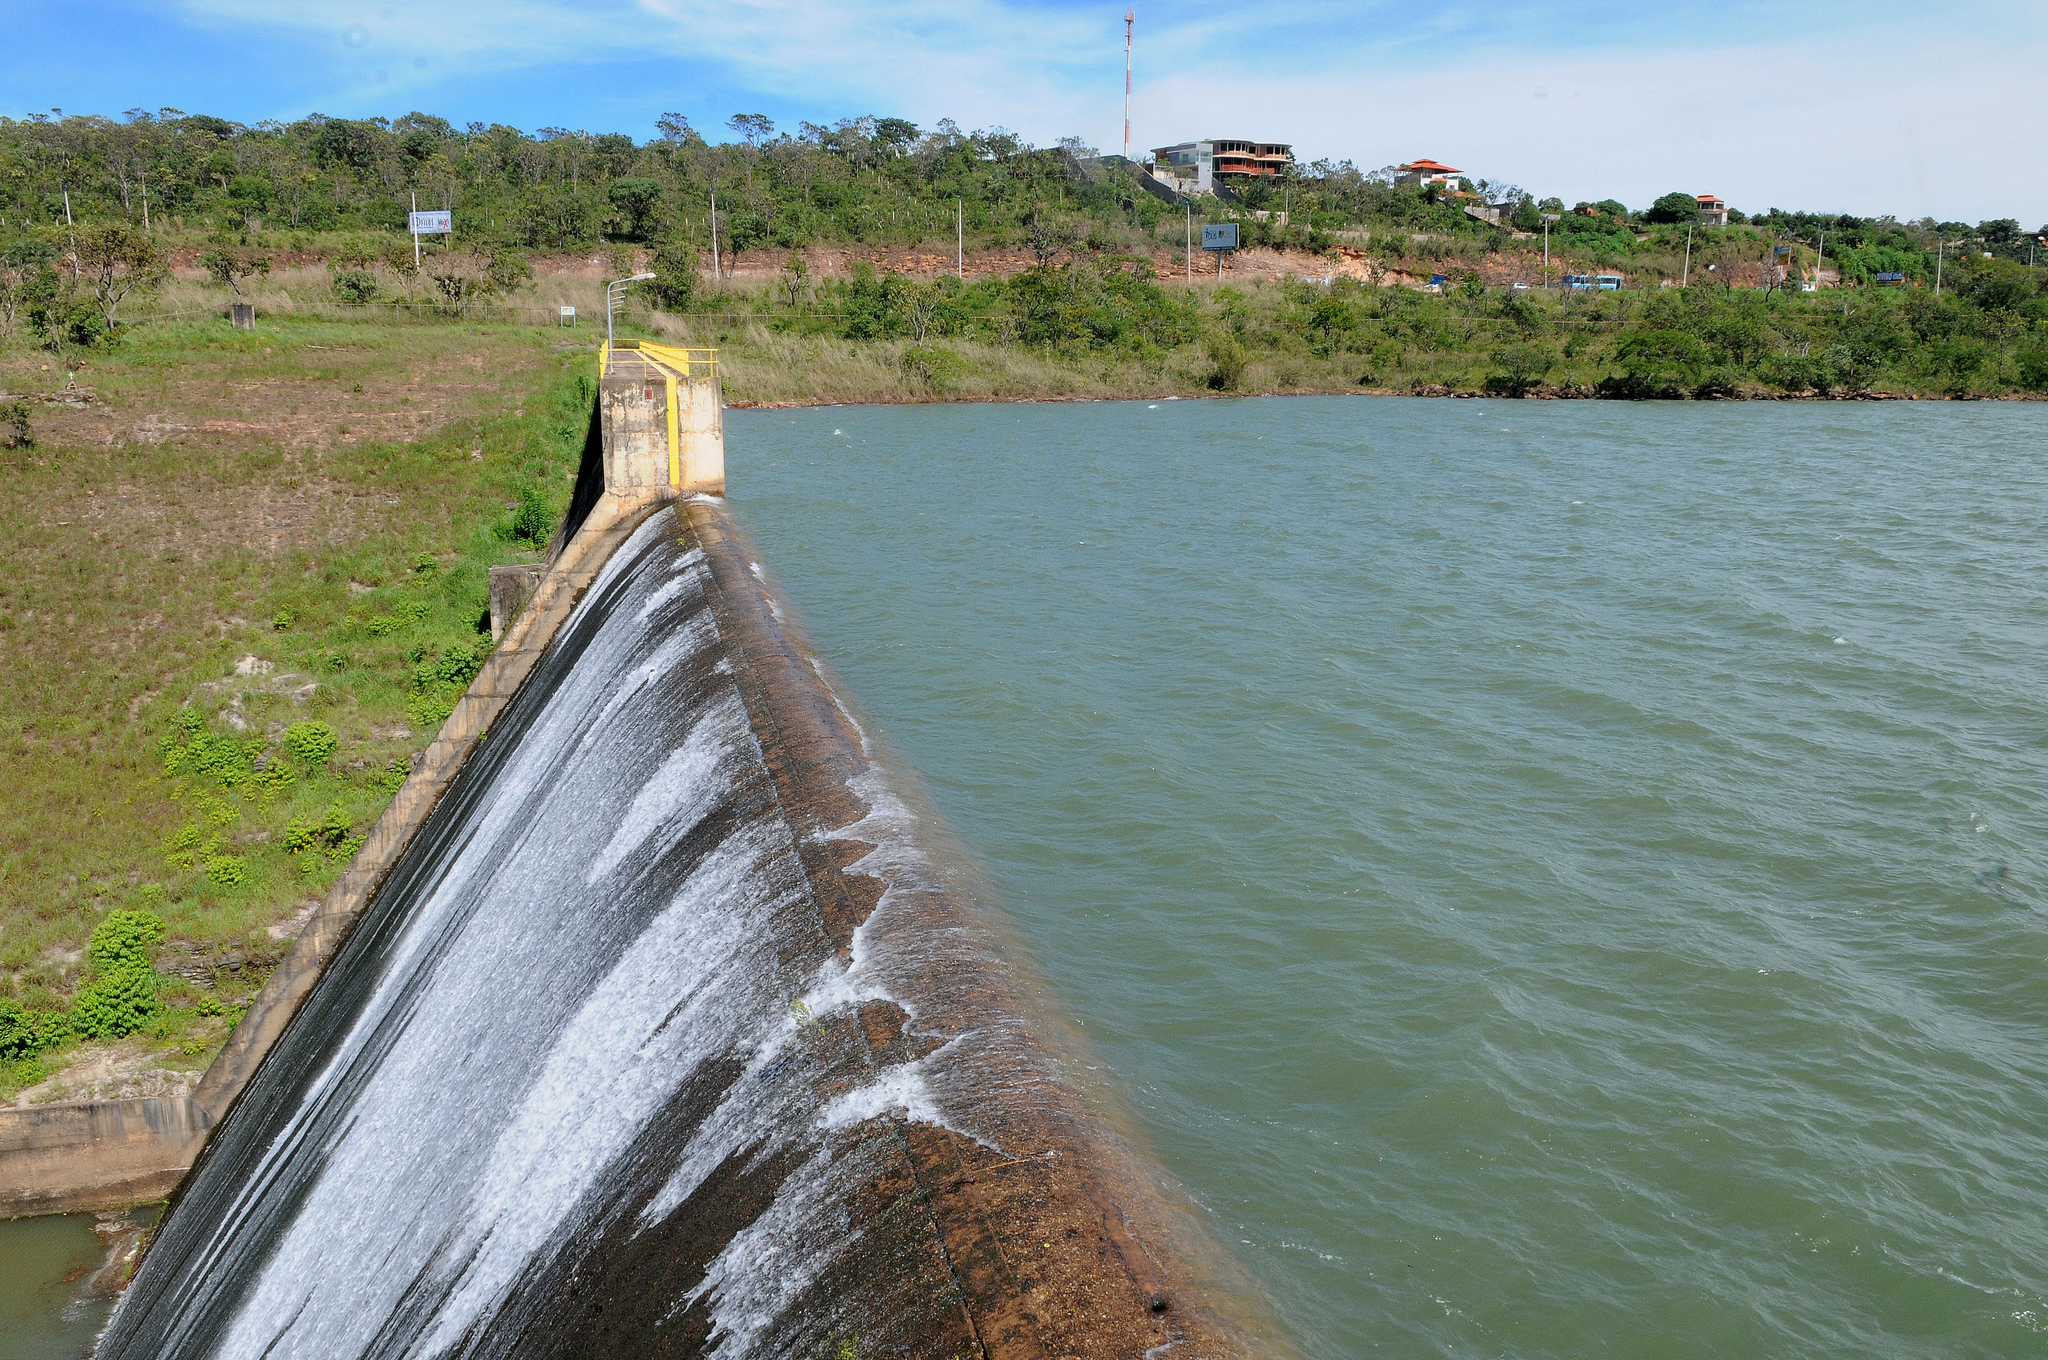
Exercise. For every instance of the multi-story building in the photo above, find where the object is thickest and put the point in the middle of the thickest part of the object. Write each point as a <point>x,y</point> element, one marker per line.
<point>1196,167</point>
<point>1713,212</point>
<point>1426,171</point>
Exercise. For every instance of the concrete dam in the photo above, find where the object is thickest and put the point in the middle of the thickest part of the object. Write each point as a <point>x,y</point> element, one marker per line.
<point>656,1022</point>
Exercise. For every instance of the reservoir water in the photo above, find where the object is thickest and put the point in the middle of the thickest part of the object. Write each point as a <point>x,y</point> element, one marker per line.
<point>1556,879</point>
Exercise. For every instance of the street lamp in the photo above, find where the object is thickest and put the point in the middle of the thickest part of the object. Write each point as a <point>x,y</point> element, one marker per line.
<point>614,294</point>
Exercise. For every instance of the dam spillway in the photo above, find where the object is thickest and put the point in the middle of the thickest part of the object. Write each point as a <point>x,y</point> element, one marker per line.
<point>666,1036</point>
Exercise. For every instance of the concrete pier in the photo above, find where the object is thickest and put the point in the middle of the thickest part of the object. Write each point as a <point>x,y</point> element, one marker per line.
<point>664,426</point>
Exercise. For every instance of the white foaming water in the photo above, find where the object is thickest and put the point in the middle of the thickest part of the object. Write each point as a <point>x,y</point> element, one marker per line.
<point>589,985</point>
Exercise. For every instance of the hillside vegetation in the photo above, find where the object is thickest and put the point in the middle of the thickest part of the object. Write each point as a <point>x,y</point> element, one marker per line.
<point>834,251</point>
<point>244,580</point>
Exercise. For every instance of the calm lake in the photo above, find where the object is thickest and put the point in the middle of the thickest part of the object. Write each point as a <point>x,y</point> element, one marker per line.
<point>1554,878</point>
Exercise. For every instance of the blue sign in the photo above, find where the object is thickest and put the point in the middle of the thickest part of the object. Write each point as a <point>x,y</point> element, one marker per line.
<point>1220,236</point>
<point>1436,280</point>
<point>1891,278</point>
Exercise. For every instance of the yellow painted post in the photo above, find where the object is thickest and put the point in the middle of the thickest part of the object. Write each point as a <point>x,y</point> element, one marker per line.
<point>675,442</point>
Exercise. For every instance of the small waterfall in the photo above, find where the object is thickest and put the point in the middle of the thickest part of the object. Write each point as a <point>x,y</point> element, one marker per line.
<point>599,1073</point>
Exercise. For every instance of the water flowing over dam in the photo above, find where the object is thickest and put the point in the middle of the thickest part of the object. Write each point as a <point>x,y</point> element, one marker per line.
<point>667,1036</point>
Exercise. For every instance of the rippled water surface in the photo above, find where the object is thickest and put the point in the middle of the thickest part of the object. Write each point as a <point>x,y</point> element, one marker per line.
<point>1556,878</point>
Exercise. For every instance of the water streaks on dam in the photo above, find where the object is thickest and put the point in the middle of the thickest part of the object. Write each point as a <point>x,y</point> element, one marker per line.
<point>665,1037</point>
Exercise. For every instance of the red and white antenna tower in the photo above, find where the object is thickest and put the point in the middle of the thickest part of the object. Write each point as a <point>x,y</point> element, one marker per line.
<point>1130,18</point>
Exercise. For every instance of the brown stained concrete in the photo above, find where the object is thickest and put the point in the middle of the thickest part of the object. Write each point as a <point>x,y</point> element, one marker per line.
<point>69,1156</point>
<point>1066,1241</point>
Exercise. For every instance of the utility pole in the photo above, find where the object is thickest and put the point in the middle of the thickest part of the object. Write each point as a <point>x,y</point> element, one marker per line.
<point>1939,248</point>
<point>416,235</point>
<point>714,231</point>
<point>1685,277</point>
<point>1820,253</point>
<point>145,202</point>
<point>960,236</point>
<point>1130,19</point>
<point>1189,204</point>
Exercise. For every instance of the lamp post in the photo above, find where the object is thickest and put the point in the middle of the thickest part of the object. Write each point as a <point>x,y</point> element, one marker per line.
<point>1940,249</point>
<point>614,292</point>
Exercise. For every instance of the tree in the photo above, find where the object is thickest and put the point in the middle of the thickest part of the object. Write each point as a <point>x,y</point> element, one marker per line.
<point>753,128</point>
<point>794,272</point>
<point>20,261</point>
<point>743,231</point>
<point>116,259</point>
<point>1047,235</point>
<point>636,199</point>
<point>895,133</point>
<point>1675,206</point>
<point>1517,369</point>
<point>674,285</point>
<point>229,266</point>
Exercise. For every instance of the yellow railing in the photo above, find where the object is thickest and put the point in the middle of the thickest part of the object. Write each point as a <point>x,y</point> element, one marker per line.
<point>686,361</point>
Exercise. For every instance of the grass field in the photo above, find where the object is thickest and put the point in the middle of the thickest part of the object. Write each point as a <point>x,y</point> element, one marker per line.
<point>222,536</point>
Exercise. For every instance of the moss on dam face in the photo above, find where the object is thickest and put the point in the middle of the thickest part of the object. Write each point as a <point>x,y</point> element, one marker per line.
<point>667,1036</point>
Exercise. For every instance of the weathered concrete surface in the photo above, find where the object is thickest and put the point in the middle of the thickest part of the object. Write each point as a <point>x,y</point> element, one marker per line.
<point>662,429</point>
<point>80,1155</point>
<point>511,587</point>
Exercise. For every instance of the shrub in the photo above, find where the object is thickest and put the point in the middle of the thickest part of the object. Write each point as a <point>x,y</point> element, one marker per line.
<point>325,838</point>
<point>531,522</point>
<point>354,286</point>
<point>125,937</point>
<point>226,871</point>
<point>507,269</point>
<point>1517,369</point>
<point>21,1035</point>
<point>14,431</point>
<point>931,366</point>
<point>228,761</point>
<point>272,773</point>
<point>122,997</point>
<point>1227,360</point>
<point>115,1004</point>
<point>313,742</point>
<point>2033,364</point>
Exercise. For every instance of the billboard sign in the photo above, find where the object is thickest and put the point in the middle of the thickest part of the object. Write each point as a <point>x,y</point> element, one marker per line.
<point>1219,236</point>
<point>431,223</point>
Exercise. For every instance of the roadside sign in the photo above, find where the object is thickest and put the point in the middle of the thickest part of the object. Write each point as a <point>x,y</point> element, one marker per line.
<point>431,223</point>
<point>1219,236</point>
<point>567,317</point>
<point>1895,276</point>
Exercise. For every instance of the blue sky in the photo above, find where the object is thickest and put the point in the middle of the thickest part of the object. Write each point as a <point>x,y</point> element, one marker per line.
<point>1865,107</point>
